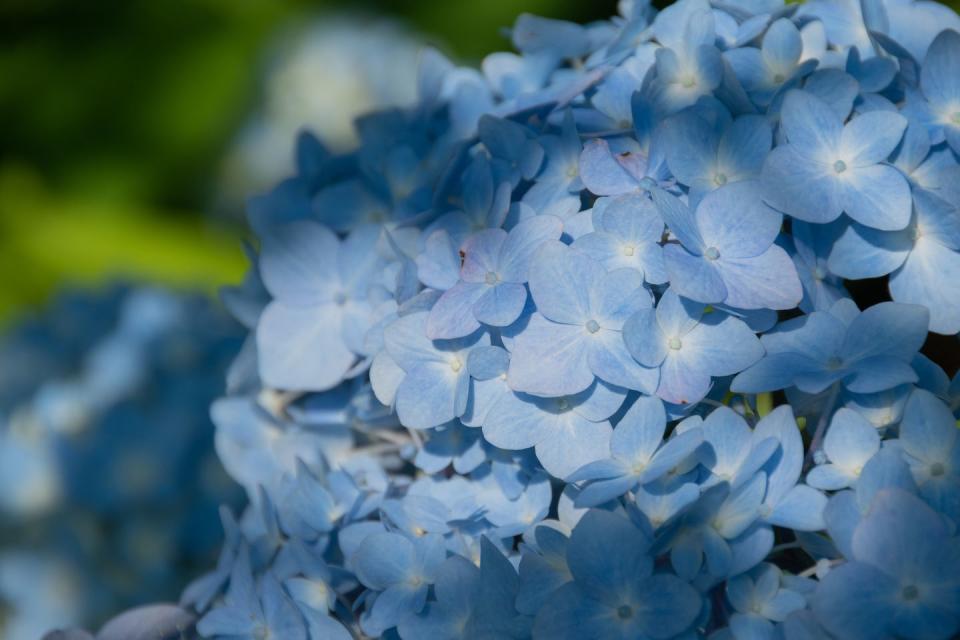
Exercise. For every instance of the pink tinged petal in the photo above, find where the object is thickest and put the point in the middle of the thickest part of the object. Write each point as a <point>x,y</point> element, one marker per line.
<point>550,359</point>
<point>480,254</point>
<point>877,196</point>
<point>768,280</point>
<point>302,348</point>
<point>452,316</point>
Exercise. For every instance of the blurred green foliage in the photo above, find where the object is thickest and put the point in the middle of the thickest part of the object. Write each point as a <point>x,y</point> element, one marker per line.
<point>117,112</point>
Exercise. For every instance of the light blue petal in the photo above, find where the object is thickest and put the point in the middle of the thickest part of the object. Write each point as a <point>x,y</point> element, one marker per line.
<point>851,440</point>
<point>452,316</point>
<point>670,606</point>
<point>575,442</point>
<point>861,252</point>
<point>690,144</point>
<point>681,384</point>
<point>874,374</point>
<point>488,362</point>
<point>481,254</point>
<point>931,277</point>
<point>810,125</point>
<point>640,431</point>
<point>887,536</point>
<point>766,281</point>
<point>609,359</point>
<point>871,137</point>
<point>938,76</point>
<point>677,449</point>
<point>516,422</point>
<point>680,220</point>
<point>561,280</point>
<point>693,276</point>
<point>438,266</point>
<point>734,220</point>
<point>634,218</point>
<point>602,175</point>
<point>302,348</point>
<point>800,187</point>
<point>877,196</point>
<point>383,560</point>
<point>852,601</point>
<point>801,509</point>
<point>744,147</point>
<point>928,430</point>
<point>431,394</point>
<point>782,46</point>
<point>599,573</point>
<point>522,243</point>
<point>721,346</point>
<point>500,305</point>
<point>298,262</point>
<point>644,339</point>
<point>888,328</point>
<point>617,296</point>
<point>550,359</point>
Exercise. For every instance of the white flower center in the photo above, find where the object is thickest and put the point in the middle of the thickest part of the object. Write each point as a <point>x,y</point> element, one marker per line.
<point>712,253</point>
<point>593,326</point>
<point>839,166</point>
<point>720,179</point>
<point>628,250</point>
<point>456,364</point>
<point>675,343</point>
<point>491,277</point>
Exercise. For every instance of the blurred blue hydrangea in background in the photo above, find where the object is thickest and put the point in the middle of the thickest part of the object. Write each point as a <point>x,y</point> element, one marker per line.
<point>110,484</point>
<point>578,344</point>
<point>320,75</point>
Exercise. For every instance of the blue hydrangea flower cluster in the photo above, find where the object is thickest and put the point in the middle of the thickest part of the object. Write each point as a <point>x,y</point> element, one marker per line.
<point>109,483</point>
<point>567,349</point>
